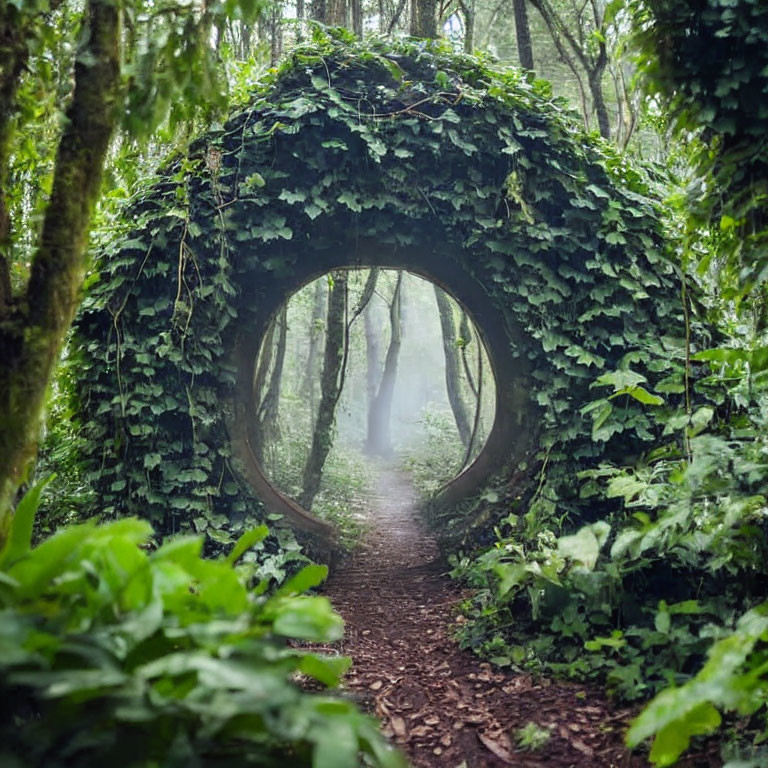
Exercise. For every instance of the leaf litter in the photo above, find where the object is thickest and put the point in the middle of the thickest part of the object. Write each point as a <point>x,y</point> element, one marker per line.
<point>441,705</point>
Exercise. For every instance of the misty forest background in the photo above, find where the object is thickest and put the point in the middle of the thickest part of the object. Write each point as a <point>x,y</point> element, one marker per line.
<point>109,629</point>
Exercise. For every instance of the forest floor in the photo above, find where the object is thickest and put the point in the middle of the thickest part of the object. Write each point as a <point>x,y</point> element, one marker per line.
<point>443,706</point>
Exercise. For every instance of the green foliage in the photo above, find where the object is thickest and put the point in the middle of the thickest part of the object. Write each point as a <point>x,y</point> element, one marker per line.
<point>707,62</point>
<point>733,679</point>
<point>435,458</point>
<point>635,602</point>
<point>532,737</point>
<point>337,134</point>
<point>112,651</point>
<point>345,485</point>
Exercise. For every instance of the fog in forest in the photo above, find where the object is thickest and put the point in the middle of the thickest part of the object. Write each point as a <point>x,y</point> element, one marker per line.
<point>370,365</point>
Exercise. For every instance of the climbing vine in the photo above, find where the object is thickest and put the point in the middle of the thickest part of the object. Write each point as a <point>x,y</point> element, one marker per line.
<point>401,143</point>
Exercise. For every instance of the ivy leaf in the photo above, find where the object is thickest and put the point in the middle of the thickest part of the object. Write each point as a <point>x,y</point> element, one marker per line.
<point>350,200</point>
<point>248,540</point>
<point>640,394</point>
<point>152,460</point>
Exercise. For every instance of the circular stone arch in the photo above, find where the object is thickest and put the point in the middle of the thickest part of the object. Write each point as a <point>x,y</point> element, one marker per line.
<point>514,425</point>
<point>357,154</point>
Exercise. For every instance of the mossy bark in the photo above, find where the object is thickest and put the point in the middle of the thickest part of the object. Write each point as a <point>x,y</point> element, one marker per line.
<point>523,34</point>
<point>13,58</point>
<point>33,335</point>
<point>319,301</point>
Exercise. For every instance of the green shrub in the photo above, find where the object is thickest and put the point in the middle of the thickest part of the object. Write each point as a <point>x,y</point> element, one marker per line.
<point>436,457</point>
<point>112,654</point>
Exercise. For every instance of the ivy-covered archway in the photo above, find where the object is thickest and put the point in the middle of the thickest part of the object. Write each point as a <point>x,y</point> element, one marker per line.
<point>400,155</point>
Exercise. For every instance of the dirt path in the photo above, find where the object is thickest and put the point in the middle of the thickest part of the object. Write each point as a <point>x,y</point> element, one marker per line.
<point>443,706</point>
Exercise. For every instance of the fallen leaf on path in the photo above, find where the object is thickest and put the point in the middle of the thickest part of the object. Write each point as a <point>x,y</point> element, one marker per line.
<point>498,749</point>
<point>398,726</point>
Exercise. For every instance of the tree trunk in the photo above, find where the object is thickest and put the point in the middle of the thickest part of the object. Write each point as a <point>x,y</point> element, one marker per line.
<point>322,435</point>
<point>275,36</point>
<point>319,302</point>
<point>264,363</point>
<point>379,442</point>
<point>395,16</point>
<point>318,11</point>
<point>300,20</point>
<point>424,18</point>
<point>452,371</point>
<point>595,80</point>
<point>372,351</point>
<point>357,17</point>
<point>245,41</point>
<point>268,410</point>
<point>523,34</point>
<point>468,6</point>
<point>336,13</point>
<point>465,334</point>
<point>13,59</point>
<point>32,343</point>
<point>593,66</point>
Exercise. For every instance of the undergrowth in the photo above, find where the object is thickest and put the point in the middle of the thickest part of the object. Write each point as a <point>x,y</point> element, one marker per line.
<point>346,482</point>
<point>434,458</point>
<point>651,599</point>
<point>115,652</point>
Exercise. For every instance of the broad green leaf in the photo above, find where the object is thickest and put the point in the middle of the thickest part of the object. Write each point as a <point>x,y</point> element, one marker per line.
<point>326,669</point>
<point>510,575</point>
<point>308,577</point>
<point>20,534</point>
<point>336,744</point>
<point>307,618</point>
<point>249,539</point>
<point>672,740</point>
<point>640,394</point>
<point>581,547</point>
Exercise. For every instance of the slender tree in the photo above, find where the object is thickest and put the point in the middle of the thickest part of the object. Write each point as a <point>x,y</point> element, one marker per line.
<point>581,42</point>
<point>523,34</point>
<point>379,442</point>
<point>468,12</point>
<point>336,13</point>
<point>33,326</point>
<point>319,302</point>
<point>357,17</point>
<point>330,388</point>
<point>318,11</point>
<point>452,369</point>
<point>35,318</point>
<point>372,352</point>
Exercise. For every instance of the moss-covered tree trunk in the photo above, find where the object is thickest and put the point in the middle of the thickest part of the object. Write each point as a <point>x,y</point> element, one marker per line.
<point>379,442</point>
<point>13,57</point>
<point>34,329</point>
<point>330,384</point>
<point>452,366</point>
